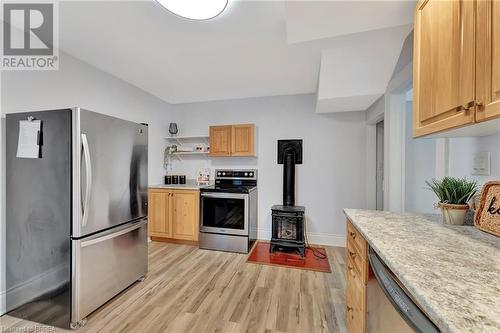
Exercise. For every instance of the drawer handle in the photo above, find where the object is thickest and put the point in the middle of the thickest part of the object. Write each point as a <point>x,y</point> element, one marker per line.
<point>352,234</point>
<point>352,254</point>
<point>469,105</point>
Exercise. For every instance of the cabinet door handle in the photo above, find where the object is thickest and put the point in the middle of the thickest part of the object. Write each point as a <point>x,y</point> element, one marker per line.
<point>352,234</point>
<point>352,254</point>
<point>349,267</point>
<point>349,309</point>
<point>469,106</point>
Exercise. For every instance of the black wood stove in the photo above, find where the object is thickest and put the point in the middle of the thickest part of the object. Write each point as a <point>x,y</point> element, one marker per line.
<point>288,232</point>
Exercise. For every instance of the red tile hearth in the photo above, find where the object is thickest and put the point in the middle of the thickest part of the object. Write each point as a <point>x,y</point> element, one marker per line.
<point>260,255</point>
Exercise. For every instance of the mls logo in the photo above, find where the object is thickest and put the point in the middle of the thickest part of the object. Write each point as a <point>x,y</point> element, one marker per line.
<point>29,36</point>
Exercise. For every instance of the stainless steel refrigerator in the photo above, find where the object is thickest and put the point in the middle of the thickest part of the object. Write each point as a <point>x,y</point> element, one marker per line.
<point>76,212</point>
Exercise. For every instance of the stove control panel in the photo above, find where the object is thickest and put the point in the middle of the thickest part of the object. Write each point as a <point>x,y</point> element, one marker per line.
<point>236,174</point>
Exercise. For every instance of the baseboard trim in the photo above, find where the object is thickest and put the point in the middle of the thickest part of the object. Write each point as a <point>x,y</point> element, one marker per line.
<point>174,241</point>
<point>313,238</point>
<point>3,300</point>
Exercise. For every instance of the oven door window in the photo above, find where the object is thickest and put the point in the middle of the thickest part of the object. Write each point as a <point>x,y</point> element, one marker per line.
<point>224,213</point>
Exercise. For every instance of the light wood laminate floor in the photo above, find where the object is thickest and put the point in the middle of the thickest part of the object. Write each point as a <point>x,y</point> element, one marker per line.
<point>193,290</point>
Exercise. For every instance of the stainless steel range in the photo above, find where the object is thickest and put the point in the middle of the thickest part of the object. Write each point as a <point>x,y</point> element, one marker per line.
<point>229,211</point>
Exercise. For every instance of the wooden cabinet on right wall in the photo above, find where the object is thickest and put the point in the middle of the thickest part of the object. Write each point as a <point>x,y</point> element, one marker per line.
<point>220,140</point>
<point>488,59</point>
<point>456,74</point>
<point>232,140</point>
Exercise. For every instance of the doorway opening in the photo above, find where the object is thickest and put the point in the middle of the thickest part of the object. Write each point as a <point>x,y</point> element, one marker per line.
<point>380,165</point>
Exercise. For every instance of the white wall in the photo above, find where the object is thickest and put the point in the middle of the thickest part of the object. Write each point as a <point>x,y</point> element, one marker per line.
<point>461,156</point>
<point>391,108</point>
<point>78,84</point>
<point>332,176</point>
<point>420,165</point>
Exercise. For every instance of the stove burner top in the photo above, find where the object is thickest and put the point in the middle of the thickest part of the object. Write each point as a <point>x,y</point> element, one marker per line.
<point>233,181</point>
<point>229,188</point>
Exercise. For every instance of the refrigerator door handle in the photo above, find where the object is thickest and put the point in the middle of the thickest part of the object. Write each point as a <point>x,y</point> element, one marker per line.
<point>113,235</point>
<point>88,189</point>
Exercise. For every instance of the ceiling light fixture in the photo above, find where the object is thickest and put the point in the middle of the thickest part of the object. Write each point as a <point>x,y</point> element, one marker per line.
<point>195,9</point>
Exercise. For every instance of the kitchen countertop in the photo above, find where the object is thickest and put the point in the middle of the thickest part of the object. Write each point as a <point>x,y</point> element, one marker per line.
<point>453,272</point>
<point>190,185</point>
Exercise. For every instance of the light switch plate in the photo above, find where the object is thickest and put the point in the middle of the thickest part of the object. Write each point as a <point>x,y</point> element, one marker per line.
<point>482,164</point>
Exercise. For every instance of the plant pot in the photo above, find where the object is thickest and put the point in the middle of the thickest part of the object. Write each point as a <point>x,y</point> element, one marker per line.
<point>454,214</point>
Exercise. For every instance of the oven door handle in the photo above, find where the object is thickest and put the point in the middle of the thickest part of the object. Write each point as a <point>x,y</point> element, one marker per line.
<point>408,310</point>
<point>224,195</point>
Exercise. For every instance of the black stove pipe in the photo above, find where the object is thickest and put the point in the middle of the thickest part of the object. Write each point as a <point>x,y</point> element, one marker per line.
<point>289,177</point>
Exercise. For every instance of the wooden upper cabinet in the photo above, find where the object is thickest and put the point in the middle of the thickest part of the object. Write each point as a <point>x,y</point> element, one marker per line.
<point>220,140</point>
<point>444,62</point>
<point>242,140</point>
<point>185,217</point>
<point>488,60</point>
<point>232,140</point>
<point>158,213</point>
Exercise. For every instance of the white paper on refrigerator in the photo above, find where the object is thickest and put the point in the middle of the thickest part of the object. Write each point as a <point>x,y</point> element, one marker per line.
<point>27,146</point>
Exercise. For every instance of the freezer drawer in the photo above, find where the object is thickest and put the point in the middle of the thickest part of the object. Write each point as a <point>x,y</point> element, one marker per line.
<point>105,264</point>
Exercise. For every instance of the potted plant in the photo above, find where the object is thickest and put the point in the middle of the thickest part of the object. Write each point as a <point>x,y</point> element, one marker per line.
<point>454,195</point>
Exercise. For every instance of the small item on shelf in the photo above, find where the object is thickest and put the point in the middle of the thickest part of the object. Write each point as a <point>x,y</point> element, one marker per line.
<point>168,180</point>
<point>172,129</point>
<point>182,179</point>
<point>184,149</point>
<point>175,180</point>
<point>203,176</point>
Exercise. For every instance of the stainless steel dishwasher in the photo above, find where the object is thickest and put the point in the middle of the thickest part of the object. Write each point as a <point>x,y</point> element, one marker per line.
<point>389,305</point>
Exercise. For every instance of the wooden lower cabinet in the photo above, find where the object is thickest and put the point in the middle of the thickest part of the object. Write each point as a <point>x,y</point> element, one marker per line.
<point>174,215</point>
<point>357,278</point>
<point>185,215</point>
<point>158,213</point>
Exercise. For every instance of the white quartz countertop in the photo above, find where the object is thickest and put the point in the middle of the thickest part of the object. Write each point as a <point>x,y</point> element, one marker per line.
<point>190,185</point>
<point>453,272</point>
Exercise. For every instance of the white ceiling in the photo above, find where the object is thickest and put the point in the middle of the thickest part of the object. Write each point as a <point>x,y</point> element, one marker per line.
<point>242,53</point>
<point>352,78</point>
<point>310,19</point>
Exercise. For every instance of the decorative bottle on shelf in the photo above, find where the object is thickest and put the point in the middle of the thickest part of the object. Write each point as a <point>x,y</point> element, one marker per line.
<point>172,129</point>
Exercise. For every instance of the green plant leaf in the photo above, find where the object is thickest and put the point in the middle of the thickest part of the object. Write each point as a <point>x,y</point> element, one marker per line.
<point>456,191</point>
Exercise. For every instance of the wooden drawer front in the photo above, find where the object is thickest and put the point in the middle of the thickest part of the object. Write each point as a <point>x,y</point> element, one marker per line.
<point>355,284</point>
<point>354,237</point>
<point>357,260</point>
<point>355,304</point>
<point>353,274</point>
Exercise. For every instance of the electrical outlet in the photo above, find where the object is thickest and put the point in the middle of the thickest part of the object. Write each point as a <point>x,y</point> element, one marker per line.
<point>482,164</point>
